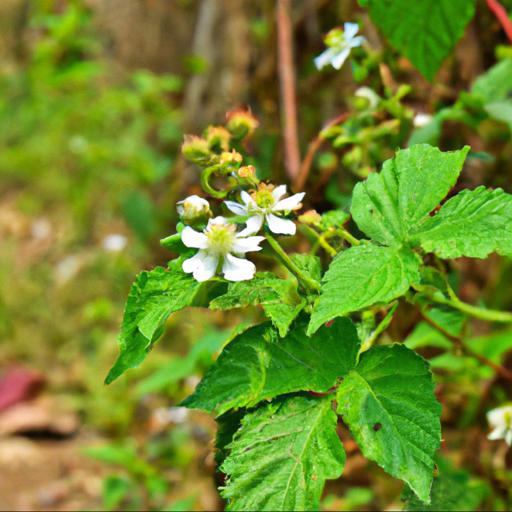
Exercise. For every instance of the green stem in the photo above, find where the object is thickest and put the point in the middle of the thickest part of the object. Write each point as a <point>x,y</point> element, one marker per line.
<point>347,236</point>
<point>205,182</point>
<point>383,325</point>
<point>308,283</point>
<point>321,240</point>
<point>491,315</point>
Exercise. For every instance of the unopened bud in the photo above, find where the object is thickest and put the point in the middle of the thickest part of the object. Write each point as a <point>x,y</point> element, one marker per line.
<point>218,138</point>
<point>195,149</point>
<point>230,157</point>
<point>241,123</point>
<point>311,217</point>
<point>247,172</point>
<point>193,209</point>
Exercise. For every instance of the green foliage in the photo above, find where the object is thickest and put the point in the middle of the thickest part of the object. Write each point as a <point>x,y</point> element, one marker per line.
<point>473,223</point>
<point>153,297</point>
<point>361,277</point>
<point>258,365</point>
<point>282,455</point>
<point>452,490</point>
<point>279,298</point>
<point>389,404</point>
<point>425,31</point>
<point>392,203</point>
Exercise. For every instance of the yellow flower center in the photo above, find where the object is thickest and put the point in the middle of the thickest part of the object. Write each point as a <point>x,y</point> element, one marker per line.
<point>263,196</point>
<point>221,238</point>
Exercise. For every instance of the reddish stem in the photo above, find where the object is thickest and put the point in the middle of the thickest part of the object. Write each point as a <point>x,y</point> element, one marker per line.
<point>502,16</point>
<point>287,84</point>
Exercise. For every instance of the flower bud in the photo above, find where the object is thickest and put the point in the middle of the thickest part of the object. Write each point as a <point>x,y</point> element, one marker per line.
<point>247,172</point>
<point>311,217</point>
<point>218,138</point>
<point>194,209</point>
<point>196,150</point>
<point>241,123</point>
<point>230,157</point>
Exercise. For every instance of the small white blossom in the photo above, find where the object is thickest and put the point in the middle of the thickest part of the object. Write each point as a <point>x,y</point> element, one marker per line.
<point>217,245</point>
<point>421,119</point>
<point>266,204</point>
<point>500,420</point>
<point>114,242</point>
<point>340,44</point>
<point>193,207</point>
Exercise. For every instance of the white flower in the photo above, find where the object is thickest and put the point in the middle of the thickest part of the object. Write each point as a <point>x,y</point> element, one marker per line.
<point>421,119</point>
<point>193,208</point>
<point>217,245</point>
<point>263,205</point>
<point>115,242</point>
<point>340,43</point>
<point>500,420</point>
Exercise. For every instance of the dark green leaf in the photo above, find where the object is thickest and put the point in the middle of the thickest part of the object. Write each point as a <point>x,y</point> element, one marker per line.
<point>389,404</point>
<point>258,365</point>
<point>282,455</point>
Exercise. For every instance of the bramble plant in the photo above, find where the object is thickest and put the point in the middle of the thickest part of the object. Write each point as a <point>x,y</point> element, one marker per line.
<point>279,387</point>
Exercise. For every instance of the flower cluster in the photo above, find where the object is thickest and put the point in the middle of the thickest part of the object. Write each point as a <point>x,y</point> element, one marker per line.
<point>220,245</point>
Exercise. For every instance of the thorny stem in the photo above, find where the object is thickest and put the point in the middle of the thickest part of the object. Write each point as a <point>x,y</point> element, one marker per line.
<point>459,343</point>
<point>321,241</point>
<point>308,283</point>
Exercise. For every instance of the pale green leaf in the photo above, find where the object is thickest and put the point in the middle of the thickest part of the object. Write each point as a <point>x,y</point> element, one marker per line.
<point>259,365</point>
<point>389,405</point>
<point>473,223</point>
<point>389,204</point>
<point>282,455</point>
<point>361,277</point>
<point>153,297</point>
<point>495,84</point>
<point>309,264</point>
<point>278,297</point>
<point>425,31</point>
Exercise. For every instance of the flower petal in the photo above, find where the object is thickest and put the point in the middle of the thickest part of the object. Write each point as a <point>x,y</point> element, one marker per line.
<point>249,244</point>
<point>350,30</point>
<point>338,60</point>
<point>202,266</point>
<point>192,238</point>
<point>497,433</point>
<point>237,269</point>
<point>325,58</point>
<point>254,224</point>
<point>290,203</point>
<point>247,199</point>
<point>236,208</point>
<point>356,41</point>
<point>279,192</point>
<point>280,226</point>
<point>508,437</point>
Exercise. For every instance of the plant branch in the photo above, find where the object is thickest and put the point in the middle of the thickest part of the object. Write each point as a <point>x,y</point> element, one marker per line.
<point>383,325</point>
<point>313,147</point>
<point>306,281</point>
<point>459,343</point>
<point>287,85</point>
<point>329,249</point>
<point>501,14</point>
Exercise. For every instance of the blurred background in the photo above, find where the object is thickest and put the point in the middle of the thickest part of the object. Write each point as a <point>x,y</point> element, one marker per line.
<point>95,96</point>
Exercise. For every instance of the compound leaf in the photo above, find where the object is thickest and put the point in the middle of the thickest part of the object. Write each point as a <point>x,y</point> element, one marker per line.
<point>282,455</point>
<point>473,223</point>
<point>258,365</point>
<point>389,405</point>
<point>153,297</point>
<point>389,204</point>
<point>361,277</point>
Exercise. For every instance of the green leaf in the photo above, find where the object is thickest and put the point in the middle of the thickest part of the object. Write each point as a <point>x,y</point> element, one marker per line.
<point>153,297</point>
<point>453,490</point>
<point>282,455</point>
<point>389,204</point>
<point>425,31</point>
<point>389,404</point>
<point>309,264</point>
<point>473,223</point>
<point>258,365</point>
<point>361,277</point>
<point>279,298</point>
<point>495,84</point>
